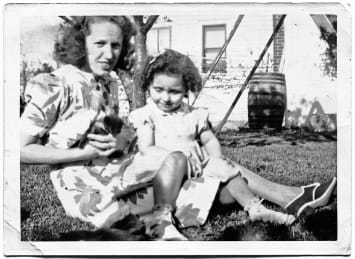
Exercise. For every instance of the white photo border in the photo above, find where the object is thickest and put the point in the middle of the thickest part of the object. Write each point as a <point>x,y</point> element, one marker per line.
<point>11,57</point>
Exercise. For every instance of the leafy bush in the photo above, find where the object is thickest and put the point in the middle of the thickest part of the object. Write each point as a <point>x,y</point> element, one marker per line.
<point>330,55</point>
<point>30,69</point>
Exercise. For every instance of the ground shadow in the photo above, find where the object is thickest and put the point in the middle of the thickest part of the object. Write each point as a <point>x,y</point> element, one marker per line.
<point>264,137</point>
<point>257,231</point>
<point>323,222</point>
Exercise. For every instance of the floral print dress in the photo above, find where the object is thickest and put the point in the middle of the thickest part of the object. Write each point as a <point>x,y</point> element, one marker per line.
<point>60,108</point>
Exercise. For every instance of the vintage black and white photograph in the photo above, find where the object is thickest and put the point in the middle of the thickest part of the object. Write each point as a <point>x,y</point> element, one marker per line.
<point>177,122</point>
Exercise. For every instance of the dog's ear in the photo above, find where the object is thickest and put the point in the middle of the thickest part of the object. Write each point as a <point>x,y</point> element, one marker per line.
<point>99,129</point>
<point>113,124</point>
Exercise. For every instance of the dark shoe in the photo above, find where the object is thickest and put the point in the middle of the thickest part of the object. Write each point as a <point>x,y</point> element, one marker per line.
<point>313,196</point>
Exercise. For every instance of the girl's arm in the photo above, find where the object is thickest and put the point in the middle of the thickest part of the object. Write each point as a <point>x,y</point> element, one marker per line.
<point>211,143</point>
<point>32,152</point>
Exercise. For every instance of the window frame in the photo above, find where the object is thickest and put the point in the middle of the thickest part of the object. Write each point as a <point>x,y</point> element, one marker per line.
<point>205,68</point>
<point>157,29</point>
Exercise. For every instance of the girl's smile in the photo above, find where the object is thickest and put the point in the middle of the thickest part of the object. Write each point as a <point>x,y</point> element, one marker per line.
<point>167,91</point>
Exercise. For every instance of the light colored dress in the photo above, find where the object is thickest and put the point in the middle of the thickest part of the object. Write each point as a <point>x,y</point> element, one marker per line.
<point>179,131</point>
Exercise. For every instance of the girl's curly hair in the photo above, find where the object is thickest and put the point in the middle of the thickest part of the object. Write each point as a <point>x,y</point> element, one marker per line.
<point>69,46</point>
<point>172,62</point>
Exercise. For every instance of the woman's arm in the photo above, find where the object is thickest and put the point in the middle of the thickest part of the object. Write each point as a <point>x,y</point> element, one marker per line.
<point>211,143</point>
<point>32,152</point>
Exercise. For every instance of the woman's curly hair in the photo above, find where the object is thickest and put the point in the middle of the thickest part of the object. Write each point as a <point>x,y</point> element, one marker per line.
<point>69,46</point>
<point>172,62</point>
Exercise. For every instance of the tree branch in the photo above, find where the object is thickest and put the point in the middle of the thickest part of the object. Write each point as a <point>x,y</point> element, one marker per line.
<point>148,25</point>
<point>66,19</point>
<point>138,20</point>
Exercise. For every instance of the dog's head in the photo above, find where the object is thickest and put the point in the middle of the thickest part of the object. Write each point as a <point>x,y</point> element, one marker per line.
<point>110,124</point>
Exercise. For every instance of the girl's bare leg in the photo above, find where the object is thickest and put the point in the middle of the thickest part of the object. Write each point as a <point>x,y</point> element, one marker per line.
<point>169,179</point>
<point>166,188</point>
<point>236,190</point>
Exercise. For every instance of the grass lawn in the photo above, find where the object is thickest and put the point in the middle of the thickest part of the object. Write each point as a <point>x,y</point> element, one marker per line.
<point>291,157</point>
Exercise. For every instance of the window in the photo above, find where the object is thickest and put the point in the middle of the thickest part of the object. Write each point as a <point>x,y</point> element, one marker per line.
<point>159,39</point>
<point>214,37</point>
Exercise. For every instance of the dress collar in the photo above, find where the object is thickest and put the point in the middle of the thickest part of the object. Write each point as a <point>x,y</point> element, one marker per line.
<point>182,110</point>
<point>108,78</point>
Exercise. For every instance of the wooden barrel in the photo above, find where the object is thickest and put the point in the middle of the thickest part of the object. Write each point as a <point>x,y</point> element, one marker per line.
<point>266,100</point>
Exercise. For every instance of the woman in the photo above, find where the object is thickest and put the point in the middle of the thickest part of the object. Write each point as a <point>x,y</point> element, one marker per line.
<point>63,105</point>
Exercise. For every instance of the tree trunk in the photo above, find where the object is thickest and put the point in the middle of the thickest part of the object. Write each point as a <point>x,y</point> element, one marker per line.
<point>140,39</point>
<point>132,83</point>
<point>141,56</point>
<point>127,81</point>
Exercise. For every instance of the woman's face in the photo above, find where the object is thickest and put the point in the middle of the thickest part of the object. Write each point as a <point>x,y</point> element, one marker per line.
<point>103,46</point>
<point>167,91</point>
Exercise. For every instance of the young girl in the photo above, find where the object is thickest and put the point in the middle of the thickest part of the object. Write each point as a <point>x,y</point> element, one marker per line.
<point>168,124</point>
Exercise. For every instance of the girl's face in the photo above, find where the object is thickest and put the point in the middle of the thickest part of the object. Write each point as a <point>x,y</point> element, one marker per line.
<point>103,46</point>
<point>167,91</point>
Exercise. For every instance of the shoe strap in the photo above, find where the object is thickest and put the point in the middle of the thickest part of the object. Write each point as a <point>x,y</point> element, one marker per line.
<point>252,203</point>
<point>315,185</point>
<point>163,208</point>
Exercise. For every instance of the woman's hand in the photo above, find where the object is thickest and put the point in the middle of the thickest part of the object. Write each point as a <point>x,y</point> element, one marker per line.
<point>105,145</point>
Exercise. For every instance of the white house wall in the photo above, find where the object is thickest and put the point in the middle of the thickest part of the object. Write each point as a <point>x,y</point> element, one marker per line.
<point>302,62</point>
<point>305,81</point>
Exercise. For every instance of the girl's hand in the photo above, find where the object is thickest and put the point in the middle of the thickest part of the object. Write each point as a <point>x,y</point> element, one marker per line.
<point>196,165</point>
<point>107,144</point>
<point>196,168</point>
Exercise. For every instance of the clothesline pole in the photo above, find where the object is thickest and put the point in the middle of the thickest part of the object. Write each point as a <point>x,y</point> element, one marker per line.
<point>251,73</point>
<point>220,53</point>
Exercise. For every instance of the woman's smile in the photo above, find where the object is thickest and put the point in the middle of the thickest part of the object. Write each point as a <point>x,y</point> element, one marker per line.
<point>104,45</point>
<point>105,65</point>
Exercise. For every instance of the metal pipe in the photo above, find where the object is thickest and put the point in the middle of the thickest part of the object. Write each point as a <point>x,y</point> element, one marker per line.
<point>220,53</point>
<point>271,39</point>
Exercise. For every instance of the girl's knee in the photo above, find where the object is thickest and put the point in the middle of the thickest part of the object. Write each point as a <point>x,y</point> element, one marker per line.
<point>174,165</point>
<point>177,159</point>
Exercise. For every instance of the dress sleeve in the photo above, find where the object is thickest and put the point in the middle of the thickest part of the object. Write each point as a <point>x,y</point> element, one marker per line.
<point>141,117</point>
<point>203,122</point>
<point>43,96</point>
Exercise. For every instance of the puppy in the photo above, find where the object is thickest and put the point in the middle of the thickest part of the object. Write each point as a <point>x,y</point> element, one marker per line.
<point>110,124</point>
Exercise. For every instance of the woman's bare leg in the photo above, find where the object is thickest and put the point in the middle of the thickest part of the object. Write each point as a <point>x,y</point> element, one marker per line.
<point>295,199</point>
<point>271,191</point>
<point>238,189</point>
